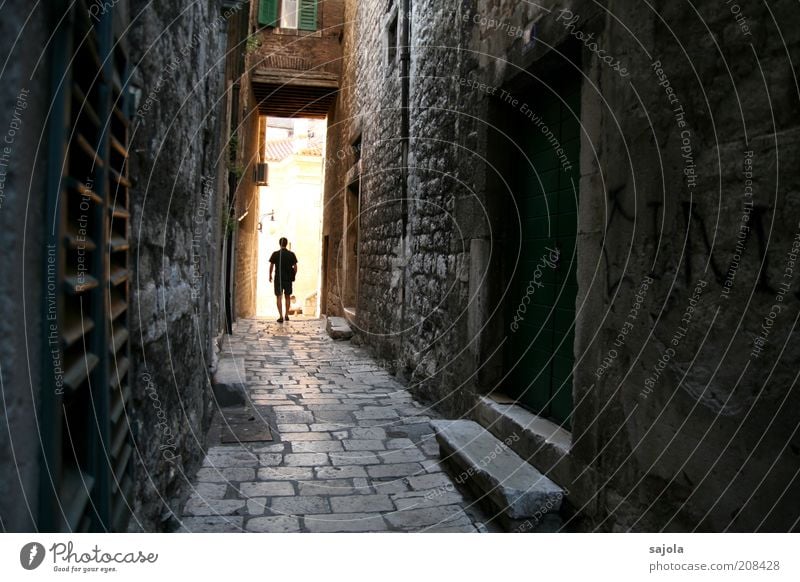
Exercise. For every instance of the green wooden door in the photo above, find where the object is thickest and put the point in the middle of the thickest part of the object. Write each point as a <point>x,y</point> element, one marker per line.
<point>544,288</point>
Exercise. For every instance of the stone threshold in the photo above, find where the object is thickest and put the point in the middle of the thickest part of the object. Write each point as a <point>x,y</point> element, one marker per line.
<point>517,495</point>
<point>536,433</point>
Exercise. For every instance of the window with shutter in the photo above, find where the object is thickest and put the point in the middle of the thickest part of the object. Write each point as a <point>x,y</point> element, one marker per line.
<point>268,12</point>
<point>308,15</point>
<point>87,448</point>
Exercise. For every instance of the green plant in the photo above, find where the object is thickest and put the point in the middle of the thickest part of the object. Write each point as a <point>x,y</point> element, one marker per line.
<point>230,224</point>
<point>252,44</point>
<point>233,147</point>
<point>237,170</point>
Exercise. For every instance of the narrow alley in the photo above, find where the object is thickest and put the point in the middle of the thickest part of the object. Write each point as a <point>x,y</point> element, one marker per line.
<point>536,264</point>
<point>352,451</point>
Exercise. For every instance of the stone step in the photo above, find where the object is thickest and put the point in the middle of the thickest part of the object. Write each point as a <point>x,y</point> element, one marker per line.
<point>526,499</point>
<point>338,328</point>
<point>228,382</point>
<point>539,441</point>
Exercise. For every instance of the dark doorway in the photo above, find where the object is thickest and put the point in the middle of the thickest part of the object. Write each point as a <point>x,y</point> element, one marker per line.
<point>325,270</point>
<point>352,212</point>
<point>544,286</point>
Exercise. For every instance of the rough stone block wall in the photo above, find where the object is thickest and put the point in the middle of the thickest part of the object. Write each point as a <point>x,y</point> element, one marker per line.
<point>23,106</point>
<point>339,158</point>
<point>441,175</point>
<point>662,196</point>
<point>177,225</point>
<point>383,256</point>
<point>247,209</point>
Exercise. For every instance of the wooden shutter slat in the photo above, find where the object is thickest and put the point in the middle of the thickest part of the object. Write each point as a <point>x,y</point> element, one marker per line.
<point>83,144</point>
<point>119,178</point>
<point>268,12</point>
<point>120,501</point>
<point>76,486</point>
<point>120,399</point>
<point>80,188</point>
<point>79,370</point>
<point>83,105</point>
<point>118,375</point>
<point>120,434</point>
<point>121,149</point>
<point>118,307</point>
<point>118,340</point>
<point>73,240</point>
<point>77,284</point>
<point>123,459</point>
<point>121,117</point>
<point>118,243</point>
<point>307,19</point>
<point>74,328</point>
<point>117,275</point>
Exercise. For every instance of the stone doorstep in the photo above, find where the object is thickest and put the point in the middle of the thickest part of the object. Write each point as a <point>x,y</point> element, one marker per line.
<point>541,443</point>
<point>512,486</point>
<point>338,328</point>
<point>228,383</point>
<point>535,433</point>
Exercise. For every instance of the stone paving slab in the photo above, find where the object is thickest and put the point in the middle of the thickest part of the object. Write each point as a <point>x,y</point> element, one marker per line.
<point>211,524</point>
<point>352,452</point>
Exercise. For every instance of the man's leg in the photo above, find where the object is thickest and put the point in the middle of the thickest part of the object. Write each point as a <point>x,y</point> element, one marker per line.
<point>279,300</point>
<point>288,303</point>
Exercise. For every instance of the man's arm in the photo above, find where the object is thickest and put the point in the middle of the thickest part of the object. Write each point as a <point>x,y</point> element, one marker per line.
<point>271,268</point>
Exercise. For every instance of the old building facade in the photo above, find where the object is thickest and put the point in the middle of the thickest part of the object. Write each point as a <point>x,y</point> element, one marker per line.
<point>575,224</point>
<point>130,212</point>
<point>581,209</point>
<point>292,69</point>
<point>119,284</point>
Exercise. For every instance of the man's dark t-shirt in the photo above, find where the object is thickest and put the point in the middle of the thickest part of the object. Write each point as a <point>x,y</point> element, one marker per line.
<point>283,260</point>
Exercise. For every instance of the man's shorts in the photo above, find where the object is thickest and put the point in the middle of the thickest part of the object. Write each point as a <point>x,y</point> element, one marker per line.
<point>283,288</point>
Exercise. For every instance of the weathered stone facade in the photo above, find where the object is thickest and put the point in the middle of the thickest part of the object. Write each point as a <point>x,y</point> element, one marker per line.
<point>177,197</point>
<point>245,216</point>
<point>687,422</point>
<point>179,217</point>
<point>24,103</point>
<point>342,130</point>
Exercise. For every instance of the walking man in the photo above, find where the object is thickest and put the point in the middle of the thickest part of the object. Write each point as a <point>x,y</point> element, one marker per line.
<point>284,262</point>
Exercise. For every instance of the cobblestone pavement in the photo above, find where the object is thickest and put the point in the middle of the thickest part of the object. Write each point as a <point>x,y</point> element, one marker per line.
<point>352,450</point>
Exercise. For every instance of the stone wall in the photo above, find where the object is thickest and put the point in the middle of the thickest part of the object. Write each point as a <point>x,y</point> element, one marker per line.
<point>246,208</point>
<point>382,253</point>
<point>686,405</point>
<point>344,126</point>
<point>23,105</point>
<point>176,236</point>
<point>178,222</point>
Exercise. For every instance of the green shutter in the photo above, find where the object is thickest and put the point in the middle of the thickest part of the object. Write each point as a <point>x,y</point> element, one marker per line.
<point>307,19</point>
<point>268,12</point>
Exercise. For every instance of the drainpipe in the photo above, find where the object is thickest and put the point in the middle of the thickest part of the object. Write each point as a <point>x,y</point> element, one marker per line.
<point>405,65</point>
